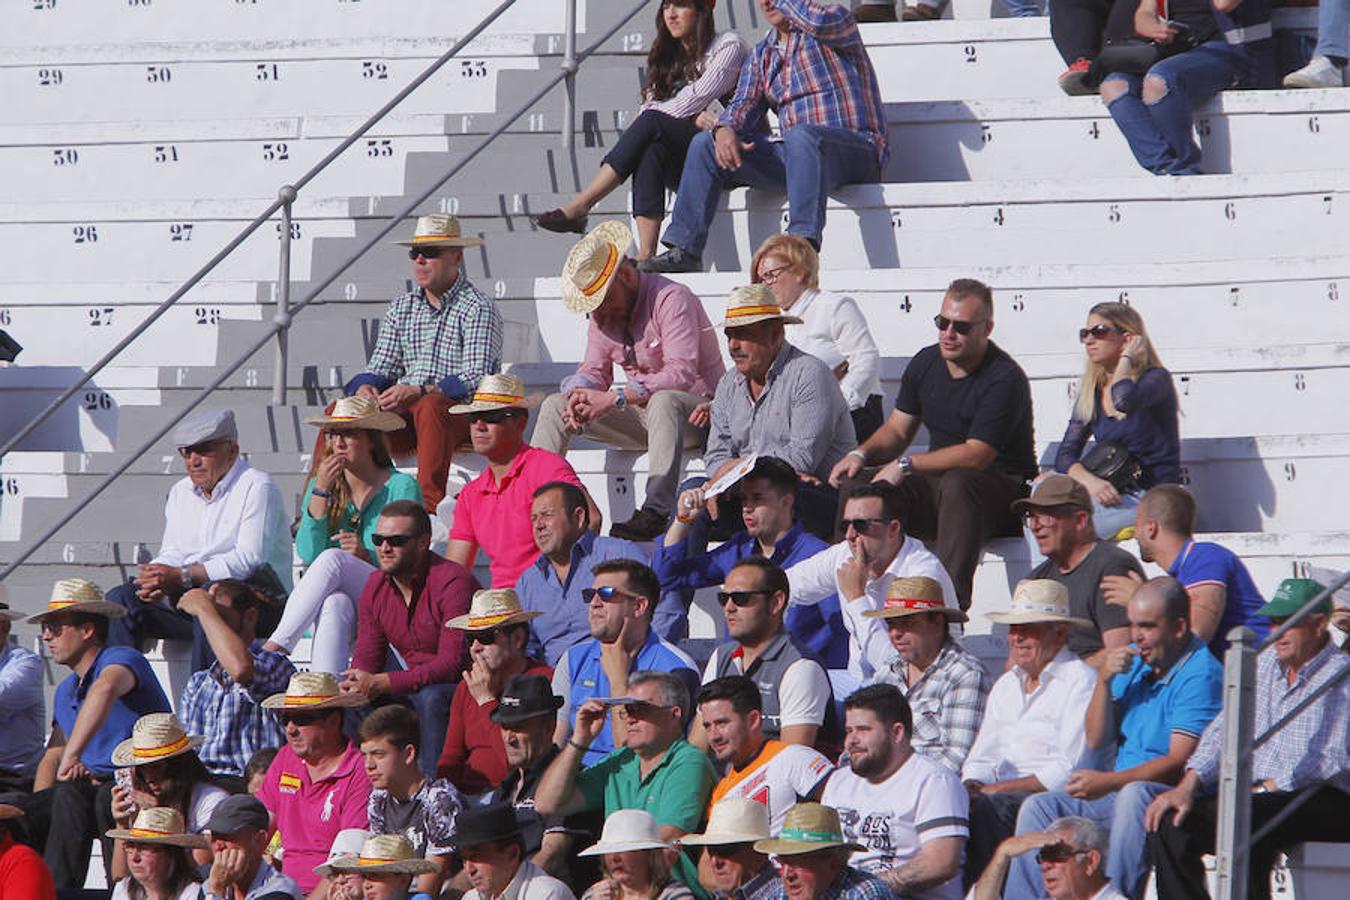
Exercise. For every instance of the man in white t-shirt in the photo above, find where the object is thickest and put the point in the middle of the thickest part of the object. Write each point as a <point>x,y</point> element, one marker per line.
<point>859,568</point>
<point>909,814</point>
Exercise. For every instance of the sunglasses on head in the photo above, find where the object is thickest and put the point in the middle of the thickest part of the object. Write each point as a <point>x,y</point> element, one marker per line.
<point>862,526</point>
<point>961,328</point>
<point>1058,853</point>
<point>393,540</point>
<point>740,598</point>
<point>1096,331</point>
<point>426,252</point>
<point>491,417</point>
<point>607,594</point>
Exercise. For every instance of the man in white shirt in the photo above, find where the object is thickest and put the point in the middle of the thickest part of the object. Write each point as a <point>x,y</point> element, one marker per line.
<point>493,852</point>
<point>859,569</point>
<point>907,812</point>
<point>1032,736</point>
<point>224,520</point>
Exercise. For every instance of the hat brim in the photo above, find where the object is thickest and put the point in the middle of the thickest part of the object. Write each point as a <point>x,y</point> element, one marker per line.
<point>742,321</point>
<point>442,242</point>
<point>719,839</point>
<point>1029,617</point>
<point>277,702</point>
<point>380,421</point>
<point>88,608</point>
<point>619,236</point>
<point>601,848</point>
<point>514,718</point>
<point>12,615</point>
<point>1025,503</point>
<point>460,841</point>
<point>515,618</point>
<point>191,841</point>
<point>345,864</point>
<point>951,614</point>
<point>780,847</point>
<point>124,754</point>
<point>528,402</point>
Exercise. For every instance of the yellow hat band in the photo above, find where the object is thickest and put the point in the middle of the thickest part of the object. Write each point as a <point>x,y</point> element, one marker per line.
<point>157,752</point>
<point>376,860</point>
<point>306,699</point>
<point>60,604</point>
<point>605,272</point>
<point>488,621</point>
<point>149,832</point>
<point>741,311</point>
<point>427,238</point>
<point>496,398</point>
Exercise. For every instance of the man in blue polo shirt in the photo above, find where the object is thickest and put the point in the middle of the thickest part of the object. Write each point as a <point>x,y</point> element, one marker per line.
<point>1153,700</point>
<point>1223,595</point>
<point>622,641</point>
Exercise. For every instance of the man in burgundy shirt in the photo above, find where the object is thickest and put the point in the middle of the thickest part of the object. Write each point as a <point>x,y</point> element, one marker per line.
<point>402,612</point>
<point>657,331</point>
<point>474,758</point>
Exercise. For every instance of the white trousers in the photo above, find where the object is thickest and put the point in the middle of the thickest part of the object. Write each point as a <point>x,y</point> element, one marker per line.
<point>325,598</point>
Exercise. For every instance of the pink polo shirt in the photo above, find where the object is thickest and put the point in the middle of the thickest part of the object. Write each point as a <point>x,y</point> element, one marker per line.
<point>496,517</point>
<point>309,814</point>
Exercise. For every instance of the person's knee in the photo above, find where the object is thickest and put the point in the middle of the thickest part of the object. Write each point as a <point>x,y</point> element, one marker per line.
<point>1113,89</point>
<point>664,405</point>
<point>958,485</point>
<point>339,606</point>
<point>553,406</point>
<point>1155,89</point>
<point>327,564</point>
<point>701,149</point>
<point>1036,812</point>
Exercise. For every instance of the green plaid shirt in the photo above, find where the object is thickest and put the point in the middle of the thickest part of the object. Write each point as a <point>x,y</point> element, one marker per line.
<point>420,344</point>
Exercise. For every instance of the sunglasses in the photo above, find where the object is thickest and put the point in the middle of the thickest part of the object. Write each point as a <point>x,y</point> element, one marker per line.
<point>491,417</point>
<point>302,719</point>
<point>487,637</point>
<point>862,526</point>
<point>426,252</point>
<point>393,540</point>
<point>961,328</point>
<point>54,627</point>
<point>1096,331</point>
<point>345,434</point>
<point>740,598</point>
<point>726,850</point>
<point>206,448</point>
<point>1058,853</point>
<point>607,594</point>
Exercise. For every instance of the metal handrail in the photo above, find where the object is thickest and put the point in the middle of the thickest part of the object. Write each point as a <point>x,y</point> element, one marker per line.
<point>282,320</point>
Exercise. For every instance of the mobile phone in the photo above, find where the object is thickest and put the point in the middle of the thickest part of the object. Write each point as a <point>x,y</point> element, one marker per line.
<point>123,778</point>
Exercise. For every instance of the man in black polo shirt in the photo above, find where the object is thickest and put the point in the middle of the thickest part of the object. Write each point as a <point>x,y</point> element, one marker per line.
<point>975,402</point>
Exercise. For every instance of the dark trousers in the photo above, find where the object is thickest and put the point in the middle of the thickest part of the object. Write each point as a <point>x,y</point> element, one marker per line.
<point>62,822</point>
<point>867,418</point>
<point>1079,28</point>
<point>1176,852</point>
<point>958,510</point>
<point>433,714</point>
<point>993,818</point>
<point>651,151</point>
<point>164,621</point>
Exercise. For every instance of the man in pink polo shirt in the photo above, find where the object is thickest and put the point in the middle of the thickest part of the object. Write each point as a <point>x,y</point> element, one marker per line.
<point>493,511</point>
<point>317,785</point>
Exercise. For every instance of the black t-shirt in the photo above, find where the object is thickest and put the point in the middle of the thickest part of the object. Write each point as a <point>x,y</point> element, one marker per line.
<point>1086,600</point>
<point>991,404</point>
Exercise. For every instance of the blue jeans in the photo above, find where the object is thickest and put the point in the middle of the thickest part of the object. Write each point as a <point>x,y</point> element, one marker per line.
<point>1160,134</point>
<point>809,162</point>
<point>1022,8</point>
<point>433,715</point>
<point>1121,814</point>
<point>1333,17</point>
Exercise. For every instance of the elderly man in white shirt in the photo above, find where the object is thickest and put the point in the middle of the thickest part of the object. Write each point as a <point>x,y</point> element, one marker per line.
<point>224,520</point>
<point>1032,736</point>
<point>860,568</point>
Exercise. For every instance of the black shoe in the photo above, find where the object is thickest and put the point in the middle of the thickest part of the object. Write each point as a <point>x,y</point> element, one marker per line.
<point>557,221</point>
<point>646,525</point>
<point>674,260</point>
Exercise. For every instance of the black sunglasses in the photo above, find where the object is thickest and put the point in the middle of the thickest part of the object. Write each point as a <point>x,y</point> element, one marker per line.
<point>727,850</point>
<point>1058,853</point>
<point>205,448</point>
<point>486,637</point>
<point>492,416</point>
<point>740,598</point>
<point>961,328</point>
<point>862,526</point>
<point>426,252</point>
<point>1096,331</point>
<point>302,718</point>
<point>393,540</point>
<point>607,594</point>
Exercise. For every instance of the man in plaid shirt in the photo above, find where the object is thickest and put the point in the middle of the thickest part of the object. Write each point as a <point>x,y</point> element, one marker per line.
<point>813,71</point>
<point>434,345</point>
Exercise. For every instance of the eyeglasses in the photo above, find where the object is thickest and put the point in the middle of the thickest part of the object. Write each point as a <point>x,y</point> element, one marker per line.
<point>1048,512</point>
<point>54,627</point>
<point>426,252</point>
<point>1058,853</point>
<point>393,540</point>
<point>301,719</point>
<point>1096,331</point>
<point>641,709</point>
<point>607,594</point>
<point>491,417</point>
<point>486,637</point>
<point>726,850</point>
<point>740,598</point>
<point>861,526</point>
<point>205,448</point>
<point>770,276</point>
<point>961,328</point>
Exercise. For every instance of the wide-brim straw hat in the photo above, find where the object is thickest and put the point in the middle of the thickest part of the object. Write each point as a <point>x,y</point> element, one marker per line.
<point>734,820</point>
<point>751,303</point>
<point>498,392</point>
<point>439,231</point>
<point>313,690</point>
<point>627,830</point>
<point>911,596</point>
<point>155,737</point>
<point>12,615</point>
<point>384,853</point>
<point>78,595</point>
<point>348,843</point>
<point>492,608</point>
<point>159,825</point>
<point>807,827</point>
<point>592,264</point>
<point>359,412</point>
<point>1039,600</point>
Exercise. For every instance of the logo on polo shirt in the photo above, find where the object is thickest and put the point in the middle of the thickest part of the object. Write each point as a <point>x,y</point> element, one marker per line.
<point>289,784</point>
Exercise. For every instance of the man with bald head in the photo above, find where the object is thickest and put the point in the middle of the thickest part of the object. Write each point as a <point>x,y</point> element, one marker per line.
<point>1153,699</point>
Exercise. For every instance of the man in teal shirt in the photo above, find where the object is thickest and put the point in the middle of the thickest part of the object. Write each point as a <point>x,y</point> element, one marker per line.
<point>654,767</point>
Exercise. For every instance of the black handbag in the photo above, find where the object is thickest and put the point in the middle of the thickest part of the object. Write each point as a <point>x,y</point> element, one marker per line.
<point>1112,462</point>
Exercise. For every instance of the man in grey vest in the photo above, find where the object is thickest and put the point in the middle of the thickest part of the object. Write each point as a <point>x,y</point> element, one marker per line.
<point>798,706</point>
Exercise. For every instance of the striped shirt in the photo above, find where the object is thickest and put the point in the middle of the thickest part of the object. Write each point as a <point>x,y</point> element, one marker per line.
<point>420,344</point>
<point>948,703</point>
<point>819,74</point>
<point>231,715</point>
<point>718,73</point>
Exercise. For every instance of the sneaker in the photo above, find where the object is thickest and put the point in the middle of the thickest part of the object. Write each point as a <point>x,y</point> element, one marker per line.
<point>674,260</point>
<point>921,13</point>
<point>558,221</point>
<point>873,12</point>
<point>1074,80</point>
<point>1320,72</point>
<point>646,525</point>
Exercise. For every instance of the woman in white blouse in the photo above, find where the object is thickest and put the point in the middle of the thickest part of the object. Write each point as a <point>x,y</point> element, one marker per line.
<point>690,68</point>
<point>833,328</point>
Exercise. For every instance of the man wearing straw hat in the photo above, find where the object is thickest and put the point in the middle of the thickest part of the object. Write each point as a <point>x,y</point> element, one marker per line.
<point>813,855</point>
<point>493,851</point>
<point>93,710</point>
<point>731,867</point>
<point>21,699</point>
<point>435,343</point>
<point>387,865</point>
<point>657,331</point>
<point>492,512</point>
<point>1032,736</point>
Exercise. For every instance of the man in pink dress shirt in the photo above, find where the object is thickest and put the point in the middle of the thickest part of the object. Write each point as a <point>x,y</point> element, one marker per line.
<point>657,331</point>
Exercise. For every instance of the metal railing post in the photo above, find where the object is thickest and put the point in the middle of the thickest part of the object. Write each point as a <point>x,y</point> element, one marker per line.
<point>1232,842</point>
<point>282,317</point>
<point>569,66</point>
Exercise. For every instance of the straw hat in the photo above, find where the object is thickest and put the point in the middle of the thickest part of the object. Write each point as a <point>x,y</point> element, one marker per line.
<point>358,412</point>
<point>625,830</point>
<point>492,609</point>
<point>438,231</point>
<point>734,820</point>
<point>347,843</point>
<point>751,303</point>
<point>911,596</point>
<point>78,595</point>
<point>384,853</point>
<point>155,737</point>
<point>497,392</point>
<point>1039,600</point>
<point>592,264</point>
<point>807,827</point>
<point>12,615</point>
<point>159,825</point>
<point>313,690</point>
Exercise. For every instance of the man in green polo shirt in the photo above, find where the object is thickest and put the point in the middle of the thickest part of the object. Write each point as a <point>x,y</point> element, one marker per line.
<point>654,769</point>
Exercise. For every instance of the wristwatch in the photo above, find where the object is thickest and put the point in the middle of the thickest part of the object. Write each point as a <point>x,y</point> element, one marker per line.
<point>620,401</point>
<point>906,466</point>
<point>186,574</point>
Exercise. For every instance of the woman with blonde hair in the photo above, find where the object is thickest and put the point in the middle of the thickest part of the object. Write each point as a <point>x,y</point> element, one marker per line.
<point>1128,406</point>
<point>636,861</point>
<point>833,328</point>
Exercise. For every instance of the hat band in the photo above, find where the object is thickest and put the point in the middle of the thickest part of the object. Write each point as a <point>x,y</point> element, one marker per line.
<point>1038,607</point>
<point>489,621</point>
<point>810,837</point>
<point>156,752</point>
<point>149,832</point>
<point>924,603</point>
<point>307,699</point>
<point>377,860</point>
<point>743,311</point>
<point>496,398</point>
<point>610,262</point>
<point>61,604</point>
<point>426,238</point>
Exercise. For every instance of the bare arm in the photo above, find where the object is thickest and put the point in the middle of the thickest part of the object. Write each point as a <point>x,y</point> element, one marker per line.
<point>971,453</point>
<point>112,682</point>
<point>990,885</point>
<point>430,882</point>
<point>803,734</point>
<point>554,851</point>
<point>462,552</point>
<point>1099,724</point>
<point>936,861</point>
<point>557,794</point>
<point>228,647</point>
<point>1027,784</point>
<point>1112,638</point>
<point>891,439</point>
<point>50,761</point>
<point>1207,605</point>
